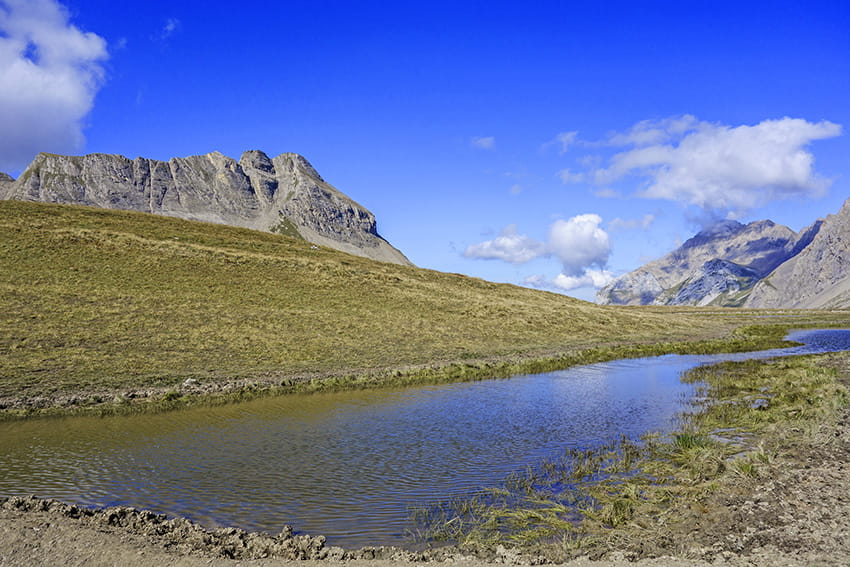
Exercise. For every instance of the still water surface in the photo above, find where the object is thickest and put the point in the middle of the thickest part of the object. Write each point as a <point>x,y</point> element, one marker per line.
<point>348,465</point>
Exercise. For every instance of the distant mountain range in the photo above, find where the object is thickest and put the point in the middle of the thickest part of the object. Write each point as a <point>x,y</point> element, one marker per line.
<point>758,265</point>
<point>282,194</point>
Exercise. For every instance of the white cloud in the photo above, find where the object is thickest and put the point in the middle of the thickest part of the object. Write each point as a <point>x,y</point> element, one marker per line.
<point>50,72</point>
<point>718,167</point>
<point>649,132</point>
<point>644,222</point>
<point>516,189</point>
<point>607,193</point>
<point>562,141</point>
<point>169,28</point>
<point>484,143</point>
<point>568,176</point>
<point>537,281</point>
<point>590,278</point>
<point>579,243</point>
<point>562,282</point>
<point>566,139</point>
<point>589,161</point>
<point>508,246</point>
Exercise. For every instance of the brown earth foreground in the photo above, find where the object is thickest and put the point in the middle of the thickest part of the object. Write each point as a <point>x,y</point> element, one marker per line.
<point>798,513</point>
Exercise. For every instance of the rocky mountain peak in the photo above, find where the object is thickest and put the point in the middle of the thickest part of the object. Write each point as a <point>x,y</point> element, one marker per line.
<point>817,275</point>
<point>757,247</point>
<point>719,230</point>
<point>717,281</point>
<point>6,182</point>
<point>759,265</point>
<point>284,194</point>
<point>257,160</point>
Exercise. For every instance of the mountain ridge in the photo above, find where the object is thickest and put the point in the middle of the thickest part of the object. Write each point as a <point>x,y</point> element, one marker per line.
<point>757,248</point>
<point>758,265</point>
<point>284,194</point>
<point>816,277</point>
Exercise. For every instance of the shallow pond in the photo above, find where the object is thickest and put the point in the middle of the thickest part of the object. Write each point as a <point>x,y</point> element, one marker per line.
<point>349,465</point>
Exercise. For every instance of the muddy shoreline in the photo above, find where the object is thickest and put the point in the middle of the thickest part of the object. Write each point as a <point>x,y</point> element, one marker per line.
<point>797,513</point>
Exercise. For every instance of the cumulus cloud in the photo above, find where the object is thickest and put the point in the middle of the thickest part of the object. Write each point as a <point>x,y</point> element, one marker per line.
<point>580,244</point>
<point>484,143</point>
<point>562,282</point>
<point>50,72</point>
<point>590,278</point>
<point>718,167</point>
<point>536,281</point>
<point>509,247</point>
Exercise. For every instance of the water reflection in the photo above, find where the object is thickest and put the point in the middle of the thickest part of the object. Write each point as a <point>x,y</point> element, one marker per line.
<point>347,465</point>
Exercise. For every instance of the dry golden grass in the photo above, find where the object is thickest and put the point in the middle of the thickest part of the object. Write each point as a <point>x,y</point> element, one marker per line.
<point>97,299</point>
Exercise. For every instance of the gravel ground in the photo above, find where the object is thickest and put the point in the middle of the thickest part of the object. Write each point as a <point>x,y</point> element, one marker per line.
<point>797,514</point>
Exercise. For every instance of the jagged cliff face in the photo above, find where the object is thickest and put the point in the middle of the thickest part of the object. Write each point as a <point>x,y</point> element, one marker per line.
<point>818,276</point>
<point>284,194</point>
<point>6,182</point>
<point>760,265</point>
<point>718,266</point>
<point>717,282</point>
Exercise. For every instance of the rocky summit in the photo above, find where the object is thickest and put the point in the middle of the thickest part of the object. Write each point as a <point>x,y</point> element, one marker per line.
<point>282,194</point>
<point>816,277</point>
<point>758,265</point>
<point>692,275</point>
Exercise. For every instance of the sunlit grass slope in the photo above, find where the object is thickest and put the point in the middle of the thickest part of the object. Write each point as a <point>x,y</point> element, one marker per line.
<point>109,299</point>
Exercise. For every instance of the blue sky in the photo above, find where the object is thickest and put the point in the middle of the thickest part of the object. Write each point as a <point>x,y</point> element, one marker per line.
<point>554,144</point>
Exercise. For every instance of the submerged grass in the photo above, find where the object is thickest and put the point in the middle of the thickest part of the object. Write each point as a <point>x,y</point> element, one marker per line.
<point>628,492</point>
<point>100,309</point>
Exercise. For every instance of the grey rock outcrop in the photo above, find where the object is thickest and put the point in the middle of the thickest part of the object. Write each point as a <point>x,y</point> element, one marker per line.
<point>818,276</point>
<point>640,287</point>
<point>718,266</point>
<point>282,194</point>
<point>6,182</point>
<point>717,282</point>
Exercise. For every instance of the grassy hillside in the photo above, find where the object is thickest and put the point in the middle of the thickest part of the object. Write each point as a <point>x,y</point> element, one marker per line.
<point>96,299</point>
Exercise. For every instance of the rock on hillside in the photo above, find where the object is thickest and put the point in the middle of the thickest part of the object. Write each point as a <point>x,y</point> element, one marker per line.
<point>715,282</point>
<point>818,276</point>
<point>5,183</point>
<point>692,274</point>
<point>282,194</point>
